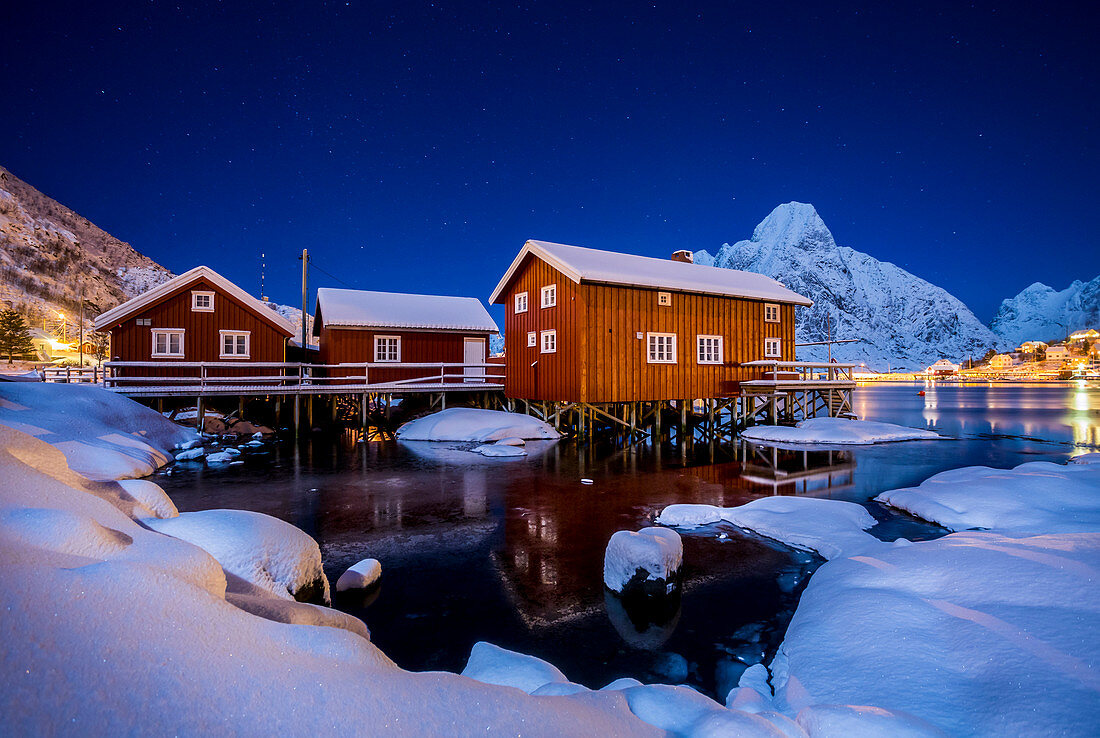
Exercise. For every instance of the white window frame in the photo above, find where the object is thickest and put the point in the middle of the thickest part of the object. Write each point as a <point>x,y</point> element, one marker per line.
<point>154,332</point>
<point>664,299</point>
<point>549,296</point>
<point>378,357</point>
<point>521,297</point>
<point>532,339</point>
<point>699,353</point>
<point>548,346</point>
<point>195,295</point>
<point>650,342</point>
<point>769,308</point>
<point>769,351</point>
<point>247,344</point>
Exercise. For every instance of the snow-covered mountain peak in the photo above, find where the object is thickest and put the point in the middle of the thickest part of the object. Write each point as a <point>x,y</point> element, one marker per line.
<point>793,225</point>
<point>1042,313</point>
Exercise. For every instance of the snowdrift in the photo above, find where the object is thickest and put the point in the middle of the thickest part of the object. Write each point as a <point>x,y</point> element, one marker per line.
<point>837,431</point>
<point>475,425</point>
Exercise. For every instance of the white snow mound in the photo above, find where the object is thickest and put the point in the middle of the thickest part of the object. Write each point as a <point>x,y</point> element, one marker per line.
<point>499,450</point>
<point>658,552</point>
<point>476,425</point>
<point>360,575</point>
<point>837,431</point>
<point>495,665</point>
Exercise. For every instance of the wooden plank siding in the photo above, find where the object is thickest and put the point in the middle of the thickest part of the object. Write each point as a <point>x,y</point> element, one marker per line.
<point>340,345</point>
<point>202,340</point>
<point>600,358</point>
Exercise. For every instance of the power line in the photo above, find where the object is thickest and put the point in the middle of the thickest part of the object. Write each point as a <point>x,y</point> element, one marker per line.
<point>329,274</point>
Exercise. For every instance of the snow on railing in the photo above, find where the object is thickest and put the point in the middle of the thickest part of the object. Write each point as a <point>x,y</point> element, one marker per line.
<point>72,374</point>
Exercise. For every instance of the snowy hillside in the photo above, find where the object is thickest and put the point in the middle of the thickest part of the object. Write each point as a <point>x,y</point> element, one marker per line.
<point>903,320</point>
<point>1040,313</point>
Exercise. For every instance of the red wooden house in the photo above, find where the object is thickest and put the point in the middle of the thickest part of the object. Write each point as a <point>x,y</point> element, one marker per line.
<point>199,316</point>
<point>379,328</point>
<point>591,326</point>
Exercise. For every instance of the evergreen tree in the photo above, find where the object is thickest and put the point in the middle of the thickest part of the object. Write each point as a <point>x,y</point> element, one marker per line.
<point>15,338</point>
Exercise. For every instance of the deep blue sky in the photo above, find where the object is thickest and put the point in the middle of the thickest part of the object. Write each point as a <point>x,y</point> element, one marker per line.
<point>415,146</point>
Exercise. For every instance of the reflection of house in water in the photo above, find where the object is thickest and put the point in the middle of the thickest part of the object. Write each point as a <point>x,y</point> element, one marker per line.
<point>801,471</point>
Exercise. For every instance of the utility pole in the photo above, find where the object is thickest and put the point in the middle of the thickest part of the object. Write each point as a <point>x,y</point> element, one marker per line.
<point>81,325</point>
<point>305,261</point>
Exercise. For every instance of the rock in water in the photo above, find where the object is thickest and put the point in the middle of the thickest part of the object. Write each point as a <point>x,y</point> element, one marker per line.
<point>647,561</point>
<point>360,576</point>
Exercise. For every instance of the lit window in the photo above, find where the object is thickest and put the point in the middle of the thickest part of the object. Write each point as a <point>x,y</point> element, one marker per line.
<point>521,302</point>
<point>664,298</point>
<point>549,295</point>
<point>532,340</point>
<point>235,344</point>
<point>168,342</point>
<point>771,313</point>
<point>549,342</point>
<point>387,348</point>
<point>710,349</point>
<point>772,348</point>
<point>662,348</point>
<point>202,302</point>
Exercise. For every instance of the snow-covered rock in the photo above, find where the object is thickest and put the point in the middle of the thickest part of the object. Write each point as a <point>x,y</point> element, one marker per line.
<point>649,560</point>
<point>512,441</point>
<point>832,528</point>
<point>495,665</point>
<point>836,431</point>
<point>499,450</point>
<point>151,497</point>
<point>901,318</point>
<point>360,575</point>
<point>190,454</point>
<point>474,424</point>
<point>1041,313</point>
<point>258,548</point>
<point>1037,497</point>
<point>220,457</point>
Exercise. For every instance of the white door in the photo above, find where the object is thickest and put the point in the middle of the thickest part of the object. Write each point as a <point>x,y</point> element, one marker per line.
<point>474,353</point>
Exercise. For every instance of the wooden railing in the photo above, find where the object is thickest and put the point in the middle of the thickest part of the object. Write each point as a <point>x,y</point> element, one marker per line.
<point>72,374</point>
<point>227,377</point>
<point>803,371</point>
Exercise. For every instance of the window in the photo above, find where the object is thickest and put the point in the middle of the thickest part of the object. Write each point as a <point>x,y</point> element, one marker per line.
<point>664,298</point>
<point>662,348</point>
<point>168,342</point>
<point>549,342</point>
<point>202,302</point>
<point>144,321</point>
<point>549,295</point>
<point>235,344</point>
<point>387,348</point>
<point>772,349</point>
<point>771,313</point>
<point>521,302</point>
<point>709,349</point>
<point>532,340</point>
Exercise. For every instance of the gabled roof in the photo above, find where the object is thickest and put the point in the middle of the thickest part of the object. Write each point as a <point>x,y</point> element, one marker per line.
<point>363,309</point>
<point>146,299</point>
<point>608,267</point>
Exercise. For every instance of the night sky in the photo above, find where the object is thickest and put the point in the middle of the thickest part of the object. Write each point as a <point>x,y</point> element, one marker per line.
<point>415,146</point>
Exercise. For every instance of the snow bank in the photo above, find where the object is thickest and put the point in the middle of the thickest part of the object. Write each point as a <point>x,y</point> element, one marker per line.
<point>832,528</point>
<point>976,633</point>
<point>836,431</point>
<point>1037,497</point>
<point>104,436</point>
<point>1089,458</point>
<point>360,575</point>
<point>499,450</point>
<point>262,550</point>
<point>150,496</point>
<point>495,665</point>
<point>651,555</point>
<point>472,424</point>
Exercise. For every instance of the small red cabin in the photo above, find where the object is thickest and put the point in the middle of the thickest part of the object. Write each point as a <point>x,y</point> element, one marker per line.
<point>583,325</point>
<point>199,316</point>
<point>379,328</point>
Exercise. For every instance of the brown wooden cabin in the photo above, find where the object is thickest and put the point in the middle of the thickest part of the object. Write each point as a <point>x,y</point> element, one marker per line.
<point>584,325</point>
<point>357,326</point>
<point>197,316</point>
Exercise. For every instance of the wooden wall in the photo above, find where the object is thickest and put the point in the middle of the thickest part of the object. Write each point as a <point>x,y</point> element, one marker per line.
<point>356,345</point>
<point>202,341</point>
<point>600,358</point>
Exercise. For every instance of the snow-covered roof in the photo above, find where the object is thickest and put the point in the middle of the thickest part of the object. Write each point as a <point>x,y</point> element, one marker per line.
<point>608,267</point>
<point>363,309</point>
<point>146,299</point>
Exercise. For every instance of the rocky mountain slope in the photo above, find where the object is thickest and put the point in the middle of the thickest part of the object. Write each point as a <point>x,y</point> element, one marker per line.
<point>903,320</point>
<point>1041,313</point>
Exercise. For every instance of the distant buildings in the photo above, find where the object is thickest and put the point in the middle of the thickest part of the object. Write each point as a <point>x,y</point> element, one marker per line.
<point>942,368</point>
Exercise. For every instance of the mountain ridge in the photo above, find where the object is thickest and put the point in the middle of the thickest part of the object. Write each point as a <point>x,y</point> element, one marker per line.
<point>1041,313</point>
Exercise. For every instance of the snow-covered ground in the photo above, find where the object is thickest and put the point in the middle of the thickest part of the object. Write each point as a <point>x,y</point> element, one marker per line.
<point>836,431</point>
<point>475,425</point>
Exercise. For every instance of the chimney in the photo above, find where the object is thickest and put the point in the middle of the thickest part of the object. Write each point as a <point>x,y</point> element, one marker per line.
<point>683,255</point>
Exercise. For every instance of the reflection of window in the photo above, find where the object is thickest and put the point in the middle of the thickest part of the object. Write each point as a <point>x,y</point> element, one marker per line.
<point>549,295</point>
<point>549,342</point>
<point>532,340</point>
<point>521,302</point>
<point>772,348</point>
<point>168,342</point>
<point>548,572</point>
<point>771,313</point>
<point>387,348</point>
<point>202,302</point>
<point>662,348</point>
<point>710,349</point>
<point>234,344</point>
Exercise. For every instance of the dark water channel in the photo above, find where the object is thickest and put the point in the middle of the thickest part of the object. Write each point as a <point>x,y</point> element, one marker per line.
<point>511,550</point>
